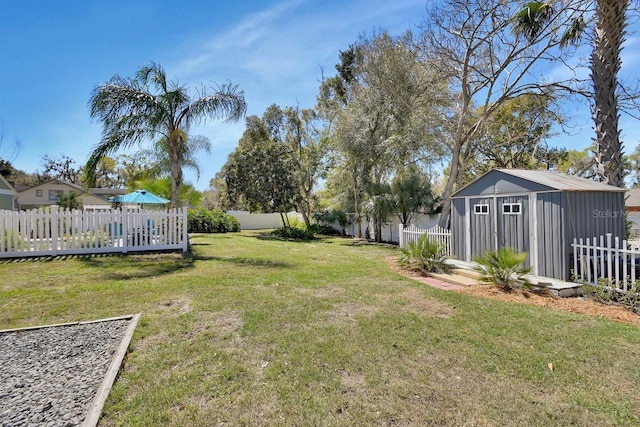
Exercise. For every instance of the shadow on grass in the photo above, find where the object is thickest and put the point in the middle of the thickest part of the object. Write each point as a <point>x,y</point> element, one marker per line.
<point>271,237</point>
<point>140,266</point>
<point>254,262</point>
<point>361,242</point>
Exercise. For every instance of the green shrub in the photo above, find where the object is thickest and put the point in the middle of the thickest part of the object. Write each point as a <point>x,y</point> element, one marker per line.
<point>211,221</point>
<point>504,268</point>
<point>603,292</point>
<point>425,256</point>
<point>326,220</point>
<point>327,230</point>
<point>296,222</point>
<point>293,233</point>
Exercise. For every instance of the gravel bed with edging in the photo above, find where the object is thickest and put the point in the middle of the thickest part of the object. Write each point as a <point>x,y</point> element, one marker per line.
<point>59,375</point>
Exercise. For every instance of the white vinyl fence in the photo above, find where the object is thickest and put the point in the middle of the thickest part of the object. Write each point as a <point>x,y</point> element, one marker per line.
<point>53,232</point>
<point>436,234</point>
<point>617,262</point>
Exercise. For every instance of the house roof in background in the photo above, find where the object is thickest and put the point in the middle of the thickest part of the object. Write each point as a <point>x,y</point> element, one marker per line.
<point>7,184</point>
<point>633,198</point>
<point>59,181</point>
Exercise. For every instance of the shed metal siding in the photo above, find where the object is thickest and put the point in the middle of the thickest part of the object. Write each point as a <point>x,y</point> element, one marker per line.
<point>592,214</point>
<point>458,229</point>
<point>482,227</point>
<point>550,235</point>
<point>513,229</point>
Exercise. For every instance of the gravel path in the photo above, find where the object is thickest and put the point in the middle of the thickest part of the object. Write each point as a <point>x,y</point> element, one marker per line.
<point>50,376</point>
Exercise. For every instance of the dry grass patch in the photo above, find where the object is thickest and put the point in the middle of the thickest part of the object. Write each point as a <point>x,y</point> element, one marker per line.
<point>419,304</point>
<point>175,307</point>
<point>350,309</point>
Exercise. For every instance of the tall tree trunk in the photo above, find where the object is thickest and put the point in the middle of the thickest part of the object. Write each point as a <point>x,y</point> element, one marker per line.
<point>605,65</point>
<point>176,169</point>
<point>455,170</point>
<point>356,202</point>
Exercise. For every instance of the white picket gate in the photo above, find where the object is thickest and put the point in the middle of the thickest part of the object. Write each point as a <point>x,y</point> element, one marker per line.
<point>436,234</point>
<point>51,231</point>
<point>617,262</point>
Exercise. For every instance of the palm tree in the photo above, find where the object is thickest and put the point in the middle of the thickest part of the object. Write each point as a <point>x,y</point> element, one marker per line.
<point>605,64</point>
<point>148,107</point>
<point>158,155</point>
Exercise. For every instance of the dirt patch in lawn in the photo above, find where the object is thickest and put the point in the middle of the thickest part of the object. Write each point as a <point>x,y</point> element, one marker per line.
<point>421,305</point>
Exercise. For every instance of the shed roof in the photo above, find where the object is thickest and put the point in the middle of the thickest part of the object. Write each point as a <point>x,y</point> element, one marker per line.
<point>559,180</point>
<point>518,180</point>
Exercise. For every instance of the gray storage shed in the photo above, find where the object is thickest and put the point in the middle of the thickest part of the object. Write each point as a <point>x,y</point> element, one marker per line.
<point>534,211</point>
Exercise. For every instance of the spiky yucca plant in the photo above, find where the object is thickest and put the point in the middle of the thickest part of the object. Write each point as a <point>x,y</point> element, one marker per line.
<point>504,268</point>
<point>425,256</point>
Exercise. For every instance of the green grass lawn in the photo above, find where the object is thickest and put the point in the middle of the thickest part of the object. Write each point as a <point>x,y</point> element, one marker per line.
<point>245,331</point>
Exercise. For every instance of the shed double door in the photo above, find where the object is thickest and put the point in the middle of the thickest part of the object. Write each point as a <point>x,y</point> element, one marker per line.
<point>513,224</point>
<point>498,222</point>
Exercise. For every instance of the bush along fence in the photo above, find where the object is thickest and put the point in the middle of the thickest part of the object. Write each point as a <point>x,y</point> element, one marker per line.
<point>52,231</point>
<point>614,261</point>
<point>437,234</point>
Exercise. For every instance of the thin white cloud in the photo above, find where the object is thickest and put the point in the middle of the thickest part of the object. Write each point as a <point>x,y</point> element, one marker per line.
<point>237,41</point>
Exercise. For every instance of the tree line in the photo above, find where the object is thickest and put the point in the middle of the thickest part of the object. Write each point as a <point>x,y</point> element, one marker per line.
<point>464,94</point>
<point>404,119</point>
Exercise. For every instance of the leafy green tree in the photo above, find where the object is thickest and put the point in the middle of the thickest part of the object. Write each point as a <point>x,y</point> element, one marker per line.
<point>378,207</point>
<point>378,108</point>
<point>278,162</point>
<point>216,197</point>
<point>259,174</point>
<point>70,201</point>
<point>514,136</point>
<point>148,107</point>
<point>411,195</point>
<point>580,163</point>
<point>131,169</point>
<point>609,31</point>
<point>188,196</point>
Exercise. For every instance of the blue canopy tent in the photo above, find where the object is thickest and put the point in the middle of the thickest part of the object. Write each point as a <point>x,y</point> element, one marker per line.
<point>141,197</point>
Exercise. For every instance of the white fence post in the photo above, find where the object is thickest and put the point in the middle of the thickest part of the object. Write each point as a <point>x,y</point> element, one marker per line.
<point>52,231</point>
<point>55,231</point>
<point>600,258</point>
<point>436,234</point>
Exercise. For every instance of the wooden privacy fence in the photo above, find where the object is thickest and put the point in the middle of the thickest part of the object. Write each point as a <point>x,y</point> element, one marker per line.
<point>615,261</point>
<point>51,231</point>
<point>436,234</point>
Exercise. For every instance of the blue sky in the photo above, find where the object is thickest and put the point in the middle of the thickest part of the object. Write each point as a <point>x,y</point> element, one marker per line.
<point>54,53</point>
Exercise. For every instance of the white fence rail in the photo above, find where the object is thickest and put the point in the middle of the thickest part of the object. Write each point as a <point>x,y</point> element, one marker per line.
<point>615,261</point>
<point>53,232</point>
<point>436,234</point>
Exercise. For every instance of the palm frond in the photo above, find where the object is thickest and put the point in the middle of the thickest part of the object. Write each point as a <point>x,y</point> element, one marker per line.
<point>532,18</point>
<point>227,102</point>
<point>504,268</point>
<point>574,33</point>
